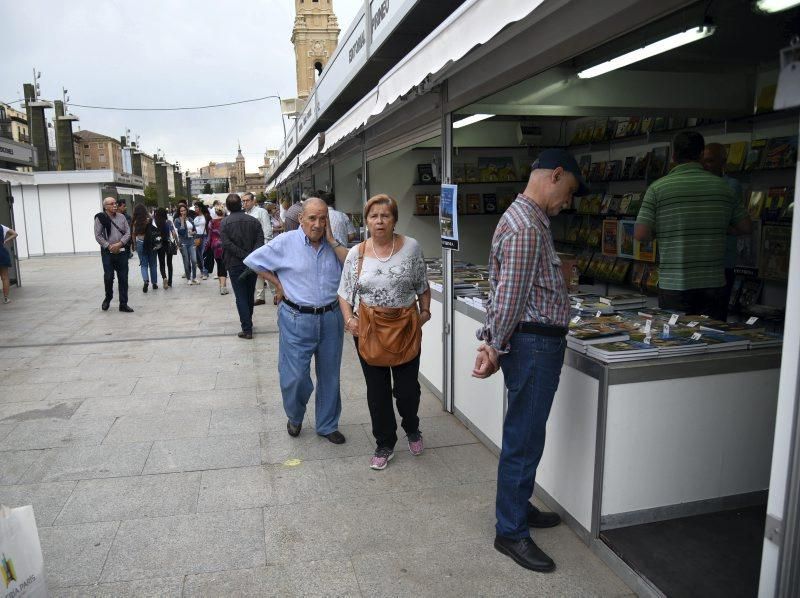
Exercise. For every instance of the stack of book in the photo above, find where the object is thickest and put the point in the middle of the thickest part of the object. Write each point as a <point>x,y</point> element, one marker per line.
<point>717,342</point>
<point>580,339</point>
<point>625,300</point>
<point>759,339</point>
<point>629,350</point>
<point>673,345</point>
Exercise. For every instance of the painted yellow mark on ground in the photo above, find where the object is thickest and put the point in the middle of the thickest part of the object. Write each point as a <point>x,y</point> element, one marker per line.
<point>292,462</point>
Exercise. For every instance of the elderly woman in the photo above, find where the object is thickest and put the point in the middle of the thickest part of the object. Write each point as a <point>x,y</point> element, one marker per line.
<point>387,271</point>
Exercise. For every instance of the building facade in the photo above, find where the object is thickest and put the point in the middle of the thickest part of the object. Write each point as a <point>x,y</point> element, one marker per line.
<point>315,36</point>
<point>98,152</point>
<point>14,124</point>
<point>148,170</point>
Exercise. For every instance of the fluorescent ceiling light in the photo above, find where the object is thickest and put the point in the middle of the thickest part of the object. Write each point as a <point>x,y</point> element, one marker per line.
<point>474,119</point>
<point>664,45</point>
<point>775,5</point>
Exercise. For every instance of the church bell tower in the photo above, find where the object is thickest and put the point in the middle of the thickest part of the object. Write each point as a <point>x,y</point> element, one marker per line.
<point>315,35</point>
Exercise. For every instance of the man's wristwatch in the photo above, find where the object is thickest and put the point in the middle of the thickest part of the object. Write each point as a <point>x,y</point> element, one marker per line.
<point>336,244</point>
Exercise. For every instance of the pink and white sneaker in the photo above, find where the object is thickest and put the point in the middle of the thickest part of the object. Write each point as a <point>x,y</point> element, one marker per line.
<point>415,443</point>
<point>381,458</point>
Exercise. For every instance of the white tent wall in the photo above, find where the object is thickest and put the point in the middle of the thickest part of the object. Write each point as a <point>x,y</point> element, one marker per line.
<point>86,201</point>
<point>33,219</point>
<point>56,219</point>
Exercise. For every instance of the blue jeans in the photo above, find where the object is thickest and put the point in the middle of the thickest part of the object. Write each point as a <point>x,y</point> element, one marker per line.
<point>243,292</point>
<point>147,262</point>
<point>189,259</point>
<point>532,369</point>
<point>301,337</point>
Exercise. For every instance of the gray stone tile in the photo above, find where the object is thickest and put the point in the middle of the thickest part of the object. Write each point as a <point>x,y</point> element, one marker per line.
<point>474,568</point>
<point>313,578</point>
<point>185,544</point>
<point>164,587</point>
<point>244,420</point>
<point>115,499</point>
<point>46,409</point>
<point>441,431</point>
<point>470,463</point>
<point>352,476</point>
<point>23,393</point>
<point>414,518</point>
<point>119,406</point>
<point>213,399</point>
<point>84,389</point>
<point>54,361</point>
<point>74,554</point>
<point>50,433</point>
<point>197,454</point>
<point>251,487</point>
<point>5,429</point>
<point>89,462</point>
<point>278,446</point>
<point>143,428</point>
<point>47,499</point>
<point>238,379</point>
<point>159,384</point>
<point>14,464</point>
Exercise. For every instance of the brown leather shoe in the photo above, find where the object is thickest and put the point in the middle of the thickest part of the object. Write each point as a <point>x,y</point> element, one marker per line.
<point>247,335</point>
<point>260,302</point>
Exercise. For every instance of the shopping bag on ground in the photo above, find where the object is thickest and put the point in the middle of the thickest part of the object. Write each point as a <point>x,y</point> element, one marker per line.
<point>21,562</point>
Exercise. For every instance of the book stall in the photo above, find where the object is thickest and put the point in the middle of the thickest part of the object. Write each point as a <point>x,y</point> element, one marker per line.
<point>661,438</point>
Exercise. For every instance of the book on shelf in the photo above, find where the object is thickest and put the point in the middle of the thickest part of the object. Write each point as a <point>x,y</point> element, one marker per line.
<point>610,230</point>
<point>646,124</point>
<point>583,233</point>
<point>755,155</point>
<point>614,206</point>
<point>596,170</point>
<point>737,152</point>
<point>776,202</point>
<point>613,170</point>
<point>584,258</point>
<point>490,203</point>
<point>459,172</point>
<point>605,205</point>
<point>760,339</point>
<point>634,125</point>
<point>474,203</point>
<point>775,247</point>
<point>620,270</point>
<point>626,299</point>
<point>728,327</point>
<point>748,247</point>
<point>625,239</point>
<point>651,283</point>
<point>645,251</point>
<point>755,204</point>
<point>595,233</point>
<point>600,130</point>
<point>471,173</point>
<point>573,228</point>
<point>424,204</point>
<point>585,165</point>
<point>622,129</point>
<point>638,271</point>
<point>425,173</point>
<point>627,166</point>
<point>618,351</point>
<point>780,152</point>
<point>658,163</point>
<point>505,197</point>
<point>594,203</point>
<point>639,170</point>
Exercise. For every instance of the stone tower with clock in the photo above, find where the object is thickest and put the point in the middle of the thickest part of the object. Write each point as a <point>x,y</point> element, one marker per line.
<point>315,35</point>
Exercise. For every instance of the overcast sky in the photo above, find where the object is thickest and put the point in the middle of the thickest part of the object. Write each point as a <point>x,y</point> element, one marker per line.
<point>162,53</point>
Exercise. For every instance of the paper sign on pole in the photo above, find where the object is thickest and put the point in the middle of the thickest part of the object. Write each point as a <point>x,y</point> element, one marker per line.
<point>448,216</point>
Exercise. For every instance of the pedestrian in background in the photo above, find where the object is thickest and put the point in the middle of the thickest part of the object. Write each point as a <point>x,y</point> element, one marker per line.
<point>343,229</point>
<point>112,233</point>
<point>260,214</point>
<point>122,208</point>
<point>143,236</point>
<point>215,246</point>
<point>201,220</point>
<point>9,235</point>
<point>185,228</point>
<point>241,234</point>
<point>169,245</point>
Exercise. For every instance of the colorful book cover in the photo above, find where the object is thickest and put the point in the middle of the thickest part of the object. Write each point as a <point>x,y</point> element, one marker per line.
<point>638,272</point>
<point>595,233</point>
<point>622,129</point>
<point>775,245</point>
<point>737,152</point>
<point>755,155</point>
<point>781,152</point>
<point>652,279</point>
<point>585,165</point>
<point>610,230</point>
<point>490,203</point>
<point>775,203</point>
<point>605,204</point>
<point>474,203</point>
<point>659,160</point>
<point>620,270</point>
<point>625,238</point>
<point>636,203</point>
<point>755,204</point>
<point>594,203</point>
<point>625,204</point>
<point>616,202</point>
<point>644,251</point>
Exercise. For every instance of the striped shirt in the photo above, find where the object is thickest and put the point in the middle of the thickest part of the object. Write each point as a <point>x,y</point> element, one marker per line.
<point>689,211</point>
<point>525,279</point>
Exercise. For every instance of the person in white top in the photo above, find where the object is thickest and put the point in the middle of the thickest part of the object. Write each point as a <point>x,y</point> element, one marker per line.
<point>252,209</point>
<point>200,221</point>
<point>5,259</point>
<point>343,229</point>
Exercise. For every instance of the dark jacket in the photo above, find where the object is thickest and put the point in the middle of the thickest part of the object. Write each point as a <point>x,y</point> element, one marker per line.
<point>240,234</point>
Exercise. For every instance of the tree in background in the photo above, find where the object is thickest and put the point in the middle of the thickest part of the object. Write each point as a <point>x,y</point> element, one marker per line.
<point>151,196</point>
<point>261,197</point>
<point>273,195</point>
<point>207,189</point>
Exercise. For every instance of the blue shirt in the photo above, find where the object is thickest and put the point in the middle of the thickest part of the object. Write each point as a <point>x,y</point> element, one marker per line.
<point>310,277</point>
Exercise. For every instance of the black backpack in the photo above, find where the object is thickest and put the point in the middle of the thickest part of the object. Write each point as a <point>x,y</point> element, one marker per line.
<point>153,241</point>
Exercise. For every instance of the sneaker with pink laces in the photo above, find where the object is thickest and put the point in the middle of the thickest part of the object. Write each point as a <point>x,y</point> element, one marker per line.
<point>381,458</point>
<point>415,443</point>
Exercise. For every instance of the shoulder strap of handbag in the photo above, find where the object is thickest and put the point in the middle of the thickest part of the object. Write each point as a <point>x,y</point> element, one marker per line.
<point>361,247</point>
<point>111,220</point>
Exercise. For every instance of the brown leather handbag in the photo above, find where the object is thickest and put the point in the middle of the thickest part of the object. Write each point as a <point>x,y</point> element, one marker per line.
<point>387,336</point>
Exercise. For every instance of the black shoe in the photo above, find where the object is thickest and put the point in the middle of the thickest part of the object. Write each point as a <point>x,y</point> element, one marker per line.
<point>155,287</point>
<point>259,302</point>
<point>525,553</point>
<point>541,519</point>
<point>294,431</point>
<point>126,309</point>
<point>144,288</point>
<point>247,335</point>
<point>336,437</point>
<point>105,305</point>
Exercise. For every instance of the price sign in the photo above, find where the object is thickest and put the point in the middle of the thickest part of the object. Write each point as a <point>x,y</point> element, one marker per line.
<point>666,330</point>
<point>693,324</point>
<point>647,339</point>
<point>647,326</point>
<point>751,321</point>
<point>696,336</point>
<point>576,320</point>
<point>598,314</point>
<point>673,319</point>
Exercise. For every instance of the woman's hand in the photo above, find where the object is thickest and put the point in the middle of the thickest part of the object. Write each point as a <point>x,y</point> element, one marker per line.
<point>351,325</point>
<point>424,317</point>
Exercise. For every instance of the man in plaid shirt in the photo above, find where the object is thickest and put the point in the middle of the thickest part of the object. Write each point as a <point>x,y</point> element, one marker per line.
<point>526,322</point>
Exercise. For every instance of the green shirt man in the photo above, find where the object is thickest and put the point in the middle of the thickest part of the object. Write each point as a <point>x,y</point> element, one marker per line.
<point>689,212</point>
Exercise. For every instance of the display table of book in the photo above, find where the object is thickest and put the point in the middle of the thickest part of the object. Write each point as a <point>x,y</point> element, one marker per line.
<point>632,441</point>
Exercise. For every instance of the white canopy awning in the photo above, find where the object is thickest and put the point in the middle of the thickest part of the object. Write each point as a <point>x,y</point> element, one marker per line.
<point>474,23</point>
<point>312,149</point>
<point>353,120</point>
<point>290,168</point>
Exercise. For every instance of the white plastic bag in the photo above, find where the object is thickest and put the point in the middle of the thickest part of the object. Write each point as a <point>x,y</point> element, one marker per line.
<point>21,562</point>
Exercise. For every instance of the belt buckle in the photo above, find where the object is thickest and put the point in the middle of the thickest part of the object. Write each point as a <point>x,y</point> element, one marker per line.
<point>318,310</point>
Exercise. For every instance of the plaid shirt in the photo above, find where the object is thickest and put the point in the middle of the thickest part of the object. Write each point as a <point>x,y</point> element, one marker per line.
<point>526,283</point>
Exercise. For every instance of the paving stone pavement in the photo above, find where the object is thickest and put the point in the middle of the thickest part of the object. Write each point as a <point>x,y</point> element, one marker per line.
<point>153,449</point>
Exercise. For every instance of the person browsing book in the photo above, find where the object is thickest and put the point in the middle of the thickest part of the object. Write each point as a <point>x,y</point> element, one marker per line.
<point>524,335</point>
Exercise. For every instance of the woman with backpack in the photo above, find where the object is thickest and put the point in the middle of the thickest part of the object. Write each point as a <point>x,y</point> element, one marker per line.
<point>147,239</point>
<point>169,245</point>
<point>215,246</point>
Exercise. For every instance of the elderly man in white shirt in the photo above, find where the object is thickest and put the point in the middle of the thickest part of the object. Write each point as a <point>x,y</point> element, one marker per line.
<point>341,226</point>
<point>252,208</point>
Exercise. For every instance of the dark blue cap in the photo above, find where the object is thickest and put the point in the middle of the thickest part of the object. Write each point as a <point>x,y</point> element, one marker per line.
<point>553,158</point>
